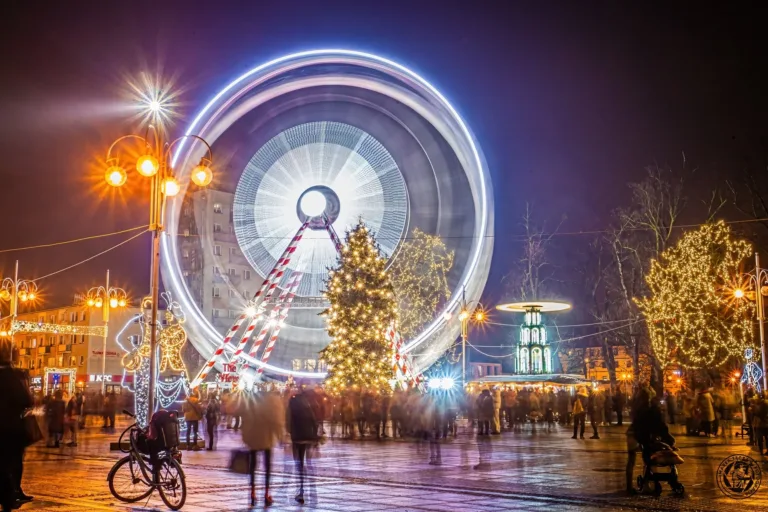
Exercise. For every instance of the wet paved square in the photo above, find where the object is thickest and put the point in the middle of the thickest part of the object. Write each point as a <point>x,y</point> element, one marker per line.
<point>527,471</point>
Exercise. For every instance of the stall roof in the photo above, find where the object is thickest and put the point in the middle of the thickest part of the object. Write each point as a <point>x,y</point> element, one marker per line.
<point>564,379</point>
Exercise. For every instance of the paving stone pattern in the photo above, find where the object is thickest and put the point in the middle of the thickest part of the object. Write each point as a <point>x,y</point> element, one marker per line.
<point>526,472</point>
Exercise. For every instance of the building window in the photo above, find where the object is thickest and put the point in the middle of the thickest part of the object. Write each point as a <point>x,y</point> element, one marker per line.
<point>233,251</point>
<point>232,313</point>
<point>215,313</point>
<point>231,272</point>
<point>82,360</point>
<point>232,293</point>
<point>247,275</point>
<point>82,316</point>
<point>216,207</point>
<point>185,253</point>
<point>216,292</point>
<point>217,228</point>
<point>61,360</point>
<point>216,271</point>
<point>217,250</point>
<point>185,273</point>
<point>247,294</point>
<point>186,232</point>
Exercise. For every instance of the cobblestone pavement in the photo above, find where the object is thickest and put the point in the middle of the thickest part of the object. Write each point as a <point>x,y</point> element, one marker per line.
<point>527,471</point>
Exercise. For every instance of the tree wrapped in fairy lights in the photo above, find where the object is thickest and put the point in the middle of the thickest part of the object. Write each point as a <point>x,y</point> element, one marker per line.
<point>420,279</point>
<point>363,307</point>
<point>691,313</point>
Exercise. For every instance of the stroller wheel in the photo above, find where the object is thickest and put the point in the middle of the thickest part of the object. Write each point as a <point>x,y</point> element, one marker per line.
<point>657,488</point>
<point>678,489</point>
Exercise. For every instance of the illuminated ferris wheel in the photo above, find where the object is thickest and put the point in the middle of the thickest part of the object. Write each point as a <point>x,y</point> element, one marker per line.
<point>313,142</point>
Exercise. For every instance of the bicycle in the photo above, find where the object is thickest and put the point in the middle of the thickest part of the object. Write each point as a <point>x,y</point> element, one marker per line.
<point>149,465</point>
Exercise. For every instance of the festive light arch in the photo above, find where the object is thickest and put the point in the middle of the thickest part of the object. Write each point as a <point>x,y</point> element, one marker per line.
<point>413,91</point>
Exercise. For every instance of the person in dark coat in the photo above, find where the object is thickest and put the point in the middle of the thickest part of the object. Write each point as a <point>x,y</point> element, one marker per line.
<point>14,400</point>
<point>302,425</point>
<point>54,413</point>
<point>619,401</point>
<point>648,427</point>
<point>594,411</point>
<point>484,412</point>
<point>212,417</point>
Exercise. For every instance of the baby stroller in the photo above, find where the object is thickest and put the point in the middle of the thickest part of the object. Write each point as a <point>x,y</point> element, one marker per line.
<point>660,455</point>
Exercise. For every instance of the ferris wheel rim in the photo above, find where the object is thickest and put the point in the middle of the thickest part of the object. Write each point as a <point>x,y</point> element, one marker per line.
<point>388,66</point>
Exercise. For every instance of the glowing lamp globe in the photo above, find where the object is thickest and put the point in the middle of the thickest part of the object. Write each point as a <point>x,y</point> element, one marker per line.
<point>91,302</point>
<point>313,203</point>
<point>764,291</point>
<point>202,174</point>
<point>463,315</point>
<point>113,302</point>
<point>32,296</point>
<point>23,296</point>
<point>171,187</point>
<point>122,303</point>
<point>116,176</point>
<point>147,165</point>
<point>738,293</point>
<point>5,294</point>
<point>98,303</point>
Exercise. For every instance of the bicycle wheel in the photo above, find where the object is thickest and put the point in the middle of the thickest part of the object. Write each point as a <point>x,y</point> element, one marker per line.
<point>126,481</point>
<point>173,485</point>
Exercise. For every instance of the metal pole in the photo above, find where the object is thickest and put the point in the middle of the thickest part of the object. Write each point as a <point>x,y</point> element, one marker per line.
<point>759,296</point>
<point>14,305</point>
<point>155,283</point>
<point>105,318</point>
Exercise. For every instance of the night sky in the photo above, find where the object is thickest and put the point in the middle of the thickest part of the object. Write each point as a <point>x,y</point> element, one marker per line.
<point>569,102</point>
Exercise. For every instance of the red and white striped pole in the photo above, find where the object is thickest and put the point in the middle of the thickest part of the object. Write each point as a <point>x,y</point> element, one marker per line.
<point>283,315</point>
<point>268,322</point>
<point>269,284</point>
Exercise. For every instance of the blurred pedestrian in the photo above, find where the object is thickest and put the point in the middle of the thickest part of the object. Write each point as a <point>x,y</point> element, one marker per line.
<point>619,401</point>
<point>580,413</point>
<point>303,428</point>
<point>484,412</point>
<point>595,410</point>
<point>54,414</point>
<point>263,425</point>
<point>212,417</point>
<point>72,420</point>
<point>496,411</point>
<point>608,407</point>
<point>193,413</point>
<point>706,406</point>
<point>14,400</point>
<point>671,401</point>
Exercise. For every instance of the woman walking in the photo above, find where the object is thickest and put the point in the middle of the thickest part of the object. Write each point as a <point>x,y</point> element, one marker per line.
<point>263,425</point>
<point>303,428</point>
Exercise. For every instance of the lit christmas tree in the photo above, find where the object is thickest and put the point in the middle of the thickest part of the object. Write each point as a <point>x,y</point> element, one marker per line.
<point>363,308</point>
<point>691,312</point>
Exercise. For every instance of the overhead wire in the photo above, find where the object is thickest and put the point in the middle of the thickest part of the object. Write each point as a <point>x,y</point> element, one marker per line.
<point>86,260</point>
<point>76,240</point>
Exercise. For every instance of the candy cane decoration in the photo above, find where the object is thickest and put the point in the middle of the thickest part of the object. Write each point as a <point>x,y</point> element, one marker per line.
<point>295,278</point>
<point>269,284</point>
<point>283,314</point>
<point>334,237</point>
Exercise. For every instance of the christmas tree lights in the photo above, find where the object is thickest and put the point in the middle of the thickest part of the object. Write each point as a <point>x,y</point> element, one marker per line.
<point>690,312</point>
<point>420,279</point>
<point>362,308</point>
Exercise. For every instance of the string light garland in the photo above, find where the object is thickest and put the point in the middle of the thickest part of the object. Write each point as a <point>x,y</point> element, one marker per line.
<point>420,280</point>
<point>362,308</point>
<point>41,327</point>
<point>690,313</point>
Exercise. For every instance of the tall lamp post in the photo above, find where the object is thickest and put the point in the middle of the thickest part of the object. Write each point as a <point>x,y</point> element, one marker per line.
<point>155,164</point>
<point>106,298</point>
<point>14,291</point>
<point>758,279</point>
<point>466,314</point>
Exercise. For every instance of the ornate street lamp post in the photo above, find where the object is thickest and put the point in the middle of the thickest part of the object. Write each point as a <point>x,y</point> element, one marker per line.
<point>759,280</point>
<point>107,298</point>
<point>16,290</point>
<point>155,164</point>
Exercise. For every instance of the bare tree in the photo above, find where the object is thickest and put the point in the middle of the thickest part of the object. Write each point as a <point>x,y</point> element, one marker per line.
<point>533,270</point>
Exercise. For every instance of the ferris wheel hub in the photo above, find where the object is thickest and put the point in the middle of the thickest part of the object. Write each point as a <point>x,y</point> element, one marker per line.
<point>316,204</point>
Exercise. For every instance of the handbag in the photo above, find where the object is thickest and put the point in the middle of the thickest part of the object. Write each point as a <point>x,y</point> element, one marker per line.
<point>32,432</point>
<point>239,461</point>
